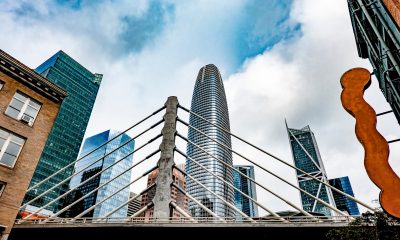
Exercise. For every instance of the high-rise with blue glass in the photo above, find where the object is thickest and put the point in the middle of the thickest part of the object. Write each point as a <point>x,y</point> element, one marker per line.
<point>306,157</point>
<point>96,162</point>
<point>343,203</point>
<point>65,138</point>
<point>209,101</point>
<point>246,186</point>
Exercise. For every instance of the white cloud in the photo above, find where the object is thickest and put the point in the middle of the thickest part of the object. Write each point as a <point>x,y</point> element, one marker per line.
<point>299,80</point>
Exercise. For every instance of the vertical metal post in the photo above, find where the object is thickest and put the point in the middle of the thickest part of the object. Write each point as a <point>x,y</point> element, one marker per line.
<point>162,197</point>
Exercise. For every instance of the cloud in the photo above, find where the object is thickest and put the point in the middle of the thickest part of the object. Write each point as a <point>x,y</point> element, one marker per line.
<point>279,60</point>
<point>298,79</point>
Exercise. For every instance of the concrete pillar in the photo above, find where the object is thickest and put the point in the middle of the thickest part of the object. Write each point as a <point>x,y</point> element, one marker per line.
<point>162,197</point>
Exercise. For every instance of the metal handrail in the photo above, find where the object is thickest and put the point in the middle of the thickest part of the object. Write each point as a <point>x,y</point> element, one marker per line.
<point>184,220</point>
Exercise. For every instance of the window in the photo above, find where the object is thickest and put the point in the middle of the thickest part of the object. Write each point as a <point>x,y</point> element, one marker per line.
<point>1,84</point>
<point>10,147</point>
<point>23,108</point>
<point>2,187</point>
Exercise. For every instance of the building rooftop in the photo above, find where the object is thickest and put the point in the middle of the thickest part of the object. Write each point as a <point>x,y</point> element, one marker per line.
<point>30,78</point>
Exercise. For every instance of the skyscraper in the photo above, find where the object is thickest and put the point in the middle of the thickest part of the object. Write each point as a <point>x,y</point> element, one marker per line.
<point>246,186</point>
<point>102,209</point>
<point>65,138</point>
<point>306,157</point>
<point>134,205</point>
<point>209,101</point>
<point>377,33</point>
<point>343,203</point>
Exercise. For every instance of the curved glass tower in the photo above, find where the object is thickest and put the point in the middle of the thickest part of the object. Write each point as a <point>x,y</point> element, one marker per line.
<point>209,101</point>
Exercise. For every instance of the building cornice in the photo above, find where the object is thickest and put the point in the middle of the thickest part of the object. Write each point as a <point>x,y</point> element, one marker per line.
<point>30,78</point>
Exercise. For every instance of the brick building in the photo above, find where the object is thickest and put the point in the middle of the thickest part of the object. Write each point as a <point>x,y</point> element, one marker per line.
<point>29,104</point>
<point>179,198</point>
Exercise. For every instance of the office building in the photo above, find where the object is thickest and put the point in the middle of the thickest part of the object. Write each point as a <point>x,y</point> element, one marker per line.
<point>246,186</point>
<point>177,196</point>
<point>134,205</point>
<point>306,157</point>
<point>376,30</point>
<point>29,104</point>
<point>98,163</point>
<point>64,141</point>
<point>209,101</point>
<point>343,203</point>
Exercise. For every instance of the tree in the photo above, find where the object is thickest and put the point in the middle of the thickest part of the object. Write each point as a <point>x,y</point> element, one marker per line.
<point>369,226</point>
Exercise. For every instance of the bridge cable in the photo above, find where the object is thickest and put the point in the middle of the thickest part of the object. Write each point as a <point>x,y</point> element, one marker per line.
<point>92,151</point>
<point>280,160</point>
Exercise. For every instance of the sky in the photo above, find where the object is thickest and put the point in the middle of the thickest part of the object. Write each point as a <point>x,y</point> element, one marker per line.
<point>279,59</point>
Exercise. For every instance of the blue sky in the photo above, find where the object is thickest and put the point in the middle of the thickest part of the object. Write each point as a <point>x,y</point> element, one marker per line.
<point>242,29</point>
<point>279,59</point>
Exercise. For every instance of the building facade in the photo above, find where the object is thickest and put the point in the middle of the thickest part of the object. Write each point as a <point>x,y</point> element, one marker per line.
<point>209,101</point>
<point>86,181</point>
<point>134,205</point>
<point>63,144</point>
<point>177,196</point>
<point>376,30</point>
<point>246,186</point>
<point>343,203</point>
<point>306,157</point>
<point>29,104</point>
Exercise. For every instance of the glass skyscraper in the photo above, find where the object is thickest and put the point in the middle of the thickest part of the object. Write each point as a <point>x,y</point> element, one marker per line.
<point>209,101</point>
<point>246,186</point>
<point>107,206</point>
<point>343,203</point>
<point>65,138</point>
<point>304,145</point>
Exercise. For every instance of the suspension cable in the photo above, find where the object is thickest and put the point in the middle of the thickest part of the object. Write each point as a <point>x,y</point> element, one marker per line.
<point>92,151</point>
<point>128,201</point>
<point>273,174</point>
<point>243,175</point>
<point>64,194</point>
<point>276,158</point>
<point>219,197</point>
<point>97,160</point>
<point>231,185</point>
<point>198,203</point>
<point>113,194</point>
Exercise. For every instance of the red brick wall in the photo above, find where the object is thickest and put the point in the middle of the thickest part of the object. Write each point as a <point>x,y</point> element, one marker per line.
<point>18,178</point>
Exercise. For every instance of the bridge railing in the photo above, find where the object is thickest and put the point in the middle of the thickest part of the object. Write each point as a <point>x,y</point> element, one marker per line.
<point>165,199</point>
<point>198,220</point>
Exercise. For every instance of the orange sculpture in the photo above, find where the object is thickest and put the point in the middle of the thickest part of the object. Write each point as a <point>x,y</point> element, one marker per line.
<point>376,159</point>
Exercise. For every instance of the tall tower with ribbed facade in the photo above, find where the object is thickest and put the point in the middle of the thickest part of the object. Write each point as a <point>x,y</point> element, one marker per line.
<point>209,101</point>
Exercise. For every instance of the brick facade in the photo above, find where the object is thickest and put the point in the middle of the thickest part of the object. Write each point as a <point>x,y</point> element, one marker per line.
<point>17,178</point>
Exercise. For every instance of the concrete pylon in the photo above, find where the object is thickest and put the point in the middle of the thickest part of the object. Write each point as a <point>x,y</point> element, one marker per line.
<point>162,197</point>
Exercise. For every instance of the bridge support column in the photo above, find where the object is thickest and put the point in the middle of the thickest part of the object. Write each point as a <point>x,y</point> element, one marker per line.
<point>162,197</point>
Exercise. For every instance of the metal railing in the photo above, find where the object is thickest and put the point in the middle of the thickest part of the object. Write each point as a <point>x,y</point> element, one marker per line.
<point>198,220</point>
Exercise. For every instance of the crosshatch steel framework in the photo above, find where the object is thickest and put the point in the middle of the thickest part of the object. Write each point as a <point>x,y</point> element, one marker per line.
<point>377,37</point>
<point>209,101</point>
<point>306,157</point>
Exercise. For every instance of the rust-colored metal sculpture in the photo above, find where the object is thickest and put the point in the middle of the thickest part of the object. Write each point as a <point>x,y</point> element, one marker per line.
<point>376,159</point>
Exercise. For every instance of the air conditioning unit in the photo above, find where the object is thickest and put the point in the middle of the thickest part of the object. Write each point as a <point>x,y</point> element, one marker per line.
<point>26,119</point>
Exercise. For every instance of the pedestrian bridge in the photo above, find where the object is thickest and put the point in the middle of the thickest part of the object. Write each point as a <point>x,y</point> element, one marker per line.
<point>167,214</point>
<point>112,228</point>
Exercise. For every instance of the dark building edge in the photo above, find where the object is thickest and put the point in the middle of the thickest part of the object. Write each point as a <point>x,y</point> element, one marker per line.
<point>30,78</point>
